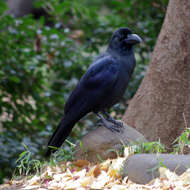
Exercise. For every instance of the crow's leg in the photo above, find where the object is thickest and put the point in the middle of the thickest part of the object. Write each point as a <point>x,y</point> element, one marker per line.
<point>107,124</point>
<point>112,120</point>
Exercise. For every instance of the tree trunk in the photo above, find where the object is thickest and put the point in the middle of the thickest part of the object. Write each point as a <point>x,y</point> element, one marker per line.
<point>161,106</point>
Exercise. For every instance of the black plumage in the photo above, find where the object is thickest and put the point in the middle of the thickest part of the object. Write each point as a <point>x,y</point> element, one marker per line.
<point>102,86</point>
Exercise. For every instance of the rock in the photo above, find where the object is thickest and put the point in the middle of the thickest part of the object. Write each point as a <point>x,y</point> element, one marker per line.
<point>142,168</point>
<point>101,142</point>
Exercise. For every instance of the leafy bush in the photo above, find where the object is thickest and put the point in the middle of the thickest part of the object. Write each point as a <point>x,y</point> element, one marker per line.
<point>148,147</point>
<point>40,65</point>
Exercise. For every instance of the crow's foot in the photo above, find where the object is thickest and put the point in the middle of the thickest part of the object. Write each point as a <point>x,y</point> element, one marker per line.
<point>117,123</point>
<point>112,120</point>
<point>109,125</point>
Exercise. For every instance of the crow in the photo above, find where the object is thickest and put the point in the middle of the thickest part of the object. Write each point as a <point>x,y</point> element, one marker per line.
<point>102,86</point>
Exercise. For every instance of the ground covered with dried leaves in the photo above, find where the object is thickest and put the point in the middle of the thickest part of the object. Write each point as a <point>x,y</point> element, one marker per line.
<point>82,175</point>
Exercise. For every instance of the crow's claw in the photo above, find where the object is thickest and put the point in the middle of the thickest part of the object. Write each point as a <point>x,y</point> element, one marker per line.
<point>112,128</point>
<point>112,120</point>
<point>109,125</point>
<point>117,123</point>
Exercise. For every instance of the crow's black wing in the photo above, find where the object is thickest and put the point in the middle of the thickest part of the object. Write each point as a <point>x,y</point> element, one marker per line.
<point>95,83</point>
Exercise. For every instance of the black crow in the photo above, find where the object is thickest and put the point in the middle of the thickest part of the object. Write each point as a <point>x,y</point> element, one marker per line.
<point>102,86</point>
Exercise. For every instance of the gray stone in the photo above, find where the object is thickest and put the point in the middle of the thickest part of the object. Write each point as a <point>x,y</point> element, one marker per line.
<point>101,143</point>
<point>142,168</point>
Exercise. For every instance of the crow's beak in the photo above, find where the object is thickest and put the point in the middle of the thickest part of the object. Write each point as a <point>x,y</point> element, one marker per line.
<point>133,39</point>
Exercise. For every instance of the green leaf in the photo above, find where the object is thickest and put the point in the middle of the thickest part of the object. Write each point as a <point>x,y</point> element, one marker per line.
<point>14,79</point>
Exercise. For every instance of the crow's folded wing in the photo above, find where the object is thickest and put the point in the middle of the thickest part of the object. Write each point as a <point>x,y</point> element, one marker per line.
<point>95,83</point>
<point>103,73</point>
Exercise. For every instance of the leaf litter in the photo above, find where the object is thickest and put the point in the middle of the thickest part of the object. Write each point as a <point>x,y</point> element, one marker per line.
<point>83,175</point>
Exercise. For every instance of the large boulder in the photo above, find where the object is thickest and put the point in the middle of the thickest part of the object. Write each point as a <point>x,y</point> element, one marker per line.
<point>101,143</point>
<point>142,168</point>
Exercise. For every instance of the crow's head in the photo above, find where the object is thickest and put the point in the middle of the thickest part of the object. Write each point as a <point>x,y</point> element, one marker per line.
<point>123,39</point>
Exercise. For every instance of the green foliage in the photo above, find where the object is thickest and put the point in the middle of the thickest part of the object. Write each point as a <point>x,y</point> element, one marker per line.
<point>148,147</point>
<point>26,165</point>
<point>66,154</point>
<point>40,65</point>
<point>179,145</point>
<point>182,141</point>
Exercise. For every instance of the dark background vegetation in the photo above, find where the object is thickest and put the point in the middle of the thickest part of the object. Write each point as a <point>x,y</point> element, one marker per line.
<point>42,60</point>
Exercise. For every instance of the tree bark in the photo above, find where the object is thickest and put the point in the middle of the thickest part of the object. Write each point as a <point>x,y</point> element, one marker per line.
<point>161,106</point>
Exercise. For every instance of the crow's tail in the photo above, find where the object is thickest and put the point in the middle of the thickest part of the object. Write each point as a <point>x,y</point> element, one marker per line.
<point>62,132</point>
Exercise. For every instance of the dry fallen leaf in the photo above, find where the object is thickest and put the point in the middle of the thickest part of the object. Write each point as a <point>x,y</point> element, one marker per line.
<point>97,170</point>
<point>81,163</point>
